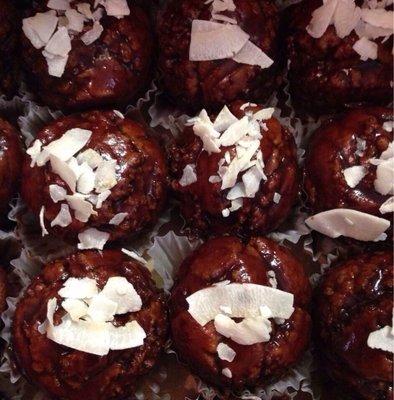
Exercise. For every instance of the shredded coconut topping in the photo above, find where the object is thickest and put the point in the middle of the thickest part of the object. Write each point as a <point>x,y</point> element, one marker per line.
<point>241,170</point>
<point>87,325</point>
<point>53,31</point>
<point>369,22</point>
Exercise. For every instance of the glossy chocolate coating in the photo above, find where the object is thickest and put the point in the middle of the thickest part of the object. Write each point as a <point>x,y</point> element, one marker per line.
<point>355,299</point>
<point>9,40</point>
<point>211,84</point>
<point>202,202</point>
<point>327,74</point>
<point>113,70</point>
<point>69,374</point>
<point>226,258</point>
<point>10,165</point>
<point>141,177</point>
<point>333,148</point>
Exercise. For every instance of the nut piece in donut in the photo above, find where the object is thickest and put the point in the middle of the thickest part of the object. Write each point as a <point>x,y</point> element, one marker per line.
<point>216,82</point>
<point>66,373</point>
<point>10,165</point>
<point>326,69</point>
<point>96,56</point>
<point>256,199</point>
<point>355,299</point>
<point>98,170</point>
<point>227,261</point>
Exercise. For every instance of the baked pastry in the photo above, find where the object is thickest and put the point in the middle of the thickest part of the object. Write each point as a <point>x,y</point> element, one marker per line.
<point>97,170</point>
<point>226,279</point>
<point>238,173</point>
<point>66,338</point>
<point>354,301</point>
<point>199,71</point>
<point>349,165</point>
<point>10,165</point>
<point>89,55</point>
<point>9,40</point>
<point>339,55</point>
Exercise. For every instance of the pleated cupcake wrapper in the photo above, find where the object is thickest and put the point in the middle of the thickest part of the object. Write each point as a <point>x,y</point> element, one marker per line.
<point>164,248</point>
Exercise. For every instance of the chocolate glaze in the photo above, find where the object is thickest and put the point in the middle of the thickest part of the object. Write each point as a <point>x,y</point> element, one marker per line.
<point>326,73</point>
<point>226,258</point>
<point>9,40</point>
<point>354,299</point>
<point>202,202</point>
<point>69,374</point>
<point>142,175</point>
<point>332,149</point>
<point>212,84</point>
<point>10,165</point>
<point>113,70</point>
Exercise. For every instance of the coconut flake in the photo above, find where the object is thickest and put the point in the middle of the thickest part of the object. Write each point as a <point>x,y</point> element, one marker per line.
<point>126,337</point>
<point>224,120</point>
<point>75,307</point>
<point>92,238</point>
<point>79,288</point>
<point>321,18</point>
<point>102,197</point>
<point>91,157</point>
<point>225,352</point>
<point>234,132</point>
<point>57,193</point>
<point>249,331</point>
<point>251,180</point>
<point>349,223</point>
<point>83,208</point>
<point>353,175</point>
<point>188,175</point>
<point>75,20</point>
<point>117,8</point>
<point>60,43</point>
<point>276,198</point>
<point>366,49</point>
<point>93,34</point>
<point>384,182</point>
<point>122,292</point>
<point>252,55</point>
<point>387,206</point>
<point>227,373</point>
<point>63,218</point>
<point>346,17</point>
<point>264,114</point>
<point>84,9</point>
<point>56,64</point>
<point>39,28</point>
<point>117,219</point>
<point>378,17</point>
<point>105,176</point>
<point>388,126</point>
<point>34,152</point>
<point>215,41</point>
<point>382,339</point>
<point>244,299</point>
<point>86,179</point>
<point>101,309</point>
<point>42,222</point>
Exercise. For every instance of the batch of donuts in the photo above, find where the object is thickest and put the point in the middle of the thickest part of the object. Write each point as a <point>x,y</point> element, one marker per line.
<point>242,310</point>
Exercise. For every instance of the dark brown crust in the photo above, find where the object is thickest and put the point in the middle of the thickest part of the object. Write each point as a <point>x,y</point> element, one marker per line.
<point>10,164</point>
<point>332,149</point>
<point>355,299</point>
<point>113,70</point>
<point>210,84</point>
<point>327,74</point>
<point>73,375</point>
<point>226,258</point>
<point>9,40</point>
<point>141,188</point>
<point>202,202</point>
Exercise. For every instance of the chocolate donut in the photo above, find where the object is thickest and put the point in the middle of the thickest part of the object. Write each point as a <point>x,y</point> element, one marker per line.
<point>203,203</point>
<point>211,84</point>
<point>66,373</point>
<point>354,299</point>
<point>326,73</point>
<point>351,139</point>
<point>138,180</point>
<point>114,69</point>
<point>262,262</point>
